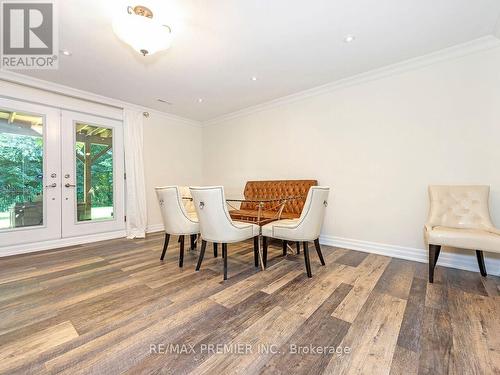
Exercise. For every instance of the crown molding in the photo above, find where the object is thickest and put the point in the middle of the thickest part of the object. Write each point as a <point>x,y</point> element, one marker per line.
<point>55,88</point>
<point>171,116</point>
<point>477,45</point>
<point>450,53</point>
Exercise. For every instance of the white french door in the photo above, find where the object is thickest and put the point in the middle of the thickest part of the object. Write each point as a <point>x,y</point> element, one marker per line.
<point>61,174</point>
<point>92,175</point>
<point>30,189</point>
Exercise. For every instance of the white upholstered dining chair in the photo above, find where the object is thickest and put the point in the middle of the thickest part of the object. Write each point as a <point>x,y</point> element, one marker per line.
<point>459,217</point>
<point>304,229</point>
<point>179,216</point>
<point>217,226</point>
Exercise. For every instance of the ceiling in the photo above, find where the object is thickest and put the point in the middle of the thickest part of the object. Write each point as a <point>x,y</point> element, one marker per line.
<point>219,45</point>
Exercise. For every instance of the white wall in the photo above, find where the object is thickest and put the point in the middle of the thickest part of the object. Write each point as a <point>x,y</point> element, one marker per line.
<point>172,156</point>
<point>378,144</point>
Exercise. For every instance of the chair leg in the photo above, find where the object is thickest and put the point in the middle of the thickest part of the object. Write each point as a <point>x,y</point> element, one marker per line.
<point>193,241</point>
<point>181,252</point>
<point>306,259</point>
<point>436,257</point>
<point>256,251</point>
<point>264,250</point>
<point>298,247</point>
<point>215,250</point>
<point>480,262</point>
<point>202,254</point>
<point>224,255</point>
<point>434,251</point>
<point>284,248</point>
<point>318,250</point>
<point>165,245</point>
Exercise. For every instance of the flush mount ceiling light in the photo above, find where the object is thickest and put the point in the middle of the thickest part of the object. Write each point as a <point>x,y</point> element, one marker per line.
<point>137,28</point>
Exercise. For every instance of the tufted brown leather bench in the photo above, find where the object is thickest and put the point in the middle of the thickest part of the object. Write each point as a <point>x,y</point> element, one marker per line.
<point>255,190</point>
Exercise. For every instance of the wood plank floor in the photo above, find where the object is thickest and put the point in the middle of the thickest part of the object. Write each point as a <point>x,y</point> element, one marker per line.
<point>112,307</point>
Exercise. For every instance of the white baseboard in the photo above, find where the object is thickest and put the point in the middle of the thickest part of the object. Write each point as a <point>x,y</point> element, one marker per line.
<point>63,242</point>
<point>446,259</point>
<point>154,228</point>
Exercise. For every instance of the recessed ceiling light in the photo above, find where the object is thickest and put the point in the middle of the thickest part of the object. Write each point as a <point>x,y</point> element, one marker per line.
<point>254,78</point>
<point>164,101</point>
<point>349,38</point>
<point>200,100</point>
<point>65,52</point>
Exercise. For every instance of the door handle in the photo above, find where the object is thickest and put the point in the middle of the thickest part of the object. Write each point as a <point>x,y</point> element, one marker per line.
<point>68,185</point>
<point>53,185</point>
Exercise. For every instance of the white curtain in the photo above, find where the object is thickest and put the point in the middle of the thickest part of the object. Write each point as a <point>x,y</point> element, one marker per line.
<point>134,169</point>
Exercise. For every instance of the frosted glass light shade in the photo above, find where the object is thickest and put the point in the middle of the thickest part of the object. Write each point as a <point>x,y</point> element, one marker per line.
<point>143,34</point>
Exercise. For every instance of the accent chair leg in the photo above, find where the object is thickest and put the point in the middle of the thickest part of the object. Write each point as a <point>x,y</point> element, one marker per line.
<point>480,262</point>
<point>165,245</point>
<point>318,250</point>
<point>181,252</point>
<point>202,254</point>
<point>298,247</point>
<point>284,248</point>
<point>436,257</point>
<point>264,250</point>
<point>193,241</point>
<point>224,255</point>
<point>434,251</point>
<point>256,251</point>
<point>215,250</point>
<point>306,259</point>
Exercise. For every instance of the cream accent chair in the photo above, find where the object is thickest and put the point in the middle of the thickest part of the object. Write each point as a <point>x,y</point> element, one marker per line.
<point>306,228</point>
<point>216,224</point>
<point>459,217</point>
<point>179,216</point>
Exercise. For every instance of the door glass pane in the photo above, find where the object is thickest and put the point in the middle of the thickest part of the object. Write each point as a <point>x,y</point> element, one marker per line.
<point>94,172</point>
<point>21,170</point>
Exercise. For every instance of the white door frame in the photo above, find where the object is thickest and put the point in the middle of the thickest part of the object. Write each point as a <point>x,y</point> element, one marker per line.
<point>51,228</point>
<point>70,225</point>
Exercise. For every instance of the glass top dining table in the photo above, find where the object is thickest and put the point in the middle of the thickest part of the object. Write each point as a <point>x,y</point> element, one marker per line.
<point>264,205</point>
<point>263,210</point>
<point>275,205</point>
